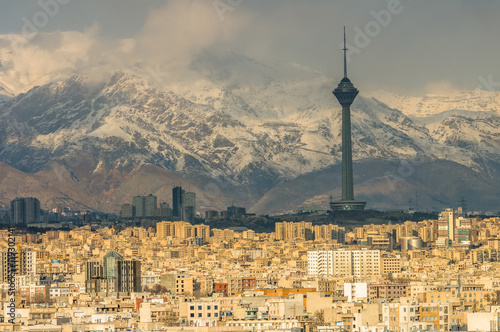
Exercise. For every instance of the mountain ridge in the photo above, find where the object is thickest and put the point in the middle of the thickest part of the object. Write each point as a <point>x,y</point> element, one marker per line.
<point>234,140</point>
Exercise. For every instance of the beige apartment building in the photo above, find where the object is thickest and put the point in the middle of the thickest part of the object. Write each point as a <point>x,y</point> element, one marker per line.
<point>386,291</point>
<point>200,313</point>
<point>287,231</point>
<point>390,265</point>
<point>182,230</point>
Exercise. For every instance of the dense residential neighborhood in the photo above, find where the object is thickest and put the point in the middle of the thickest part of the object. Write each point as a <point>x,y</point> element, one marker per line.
<point>413,276</point>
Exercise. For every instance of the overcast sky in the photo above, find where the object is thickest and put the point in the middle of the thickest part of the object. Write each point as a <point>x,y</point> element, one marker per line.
<point>408,46</point>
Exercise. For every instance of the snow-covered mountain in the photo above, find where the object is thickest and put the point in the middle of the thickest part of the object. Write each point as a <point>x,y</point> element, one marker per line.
<point>236,127</point>
<point>477,100</point>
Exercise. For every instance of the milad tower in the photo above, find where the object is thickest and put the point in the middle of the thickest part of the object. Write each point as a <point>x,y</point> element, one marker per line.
<point>346,93</point>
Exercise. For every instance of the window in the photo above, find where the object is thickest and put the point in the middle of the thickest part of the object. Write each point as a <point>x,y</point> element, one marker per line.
<point>199,315</point>
<point>191,307</point>
<point>192,315</point>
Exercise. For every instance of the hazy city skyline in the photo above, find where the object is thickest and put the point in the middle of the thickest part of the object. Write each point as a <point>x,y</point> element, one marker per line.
<point>183,165</point>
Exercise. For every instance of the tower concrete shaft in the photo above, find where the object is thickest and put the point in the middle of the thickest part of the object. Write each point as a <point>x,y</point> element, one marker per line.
<point>347,180</point>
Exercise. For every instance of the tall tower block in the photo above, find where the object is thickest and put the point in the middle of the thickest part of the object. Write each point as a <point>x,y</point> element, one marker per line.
<point>345,94</point>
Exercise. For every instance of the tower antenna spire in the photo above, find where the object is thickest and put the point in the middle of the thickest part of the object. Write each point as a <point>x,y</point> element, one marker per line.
<point>345,56</point>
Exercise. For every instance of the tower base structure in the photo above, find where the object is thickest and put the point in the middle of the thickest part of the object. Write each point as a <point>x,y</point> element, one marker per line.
<point>345,205</point>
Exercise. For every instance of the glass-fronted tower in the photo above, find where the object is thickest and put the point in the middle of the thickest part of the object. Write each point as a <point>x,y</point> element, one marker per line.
<point>345,94</point>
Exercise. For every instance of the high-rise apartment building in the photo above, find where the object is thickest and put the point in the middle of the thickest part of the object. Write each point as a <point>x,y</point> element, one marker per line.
<point>202,232</point>
<point>463,231</point>
<point>183,205</point>
<point>188,207</point>
<point>446,228</point>
<point>365,263</point>
<point>145,206</point>
<point>164,229</point>
<point>177,195</point>
<point>21,264</point>
<point>446,224</point>
<point>113,275</point>
<point>184,230</point>
<point>150,203</point>
<point>138,203</point>
<point>24,210</point>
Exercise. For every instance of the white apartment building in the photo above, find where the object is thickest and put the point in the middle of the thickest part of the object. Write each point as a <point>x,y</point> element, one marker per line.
<point>356,291</point>
<point>344,263</point>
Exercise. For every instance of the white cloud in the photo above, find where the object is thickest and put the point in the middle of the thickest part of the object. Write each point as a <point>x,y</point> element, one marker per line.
<point>40,58</point>
<point>185,27</point>
<point>170,35</point>
<point>404,57</point>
